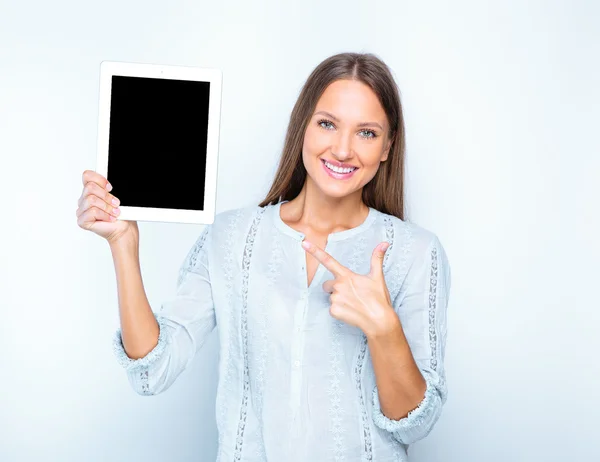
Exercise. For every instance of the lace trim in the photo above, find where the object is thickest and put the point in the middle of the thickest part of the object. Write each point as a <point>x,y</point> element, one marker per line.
<point>136,365</point>
<point>244,327</point>
<point>141,365</point>
<point>192,257</point>
<point>406,249</point>
<point>274,269</point>
<point>396,273</point>
<point>144,382</point>
<point>415,418</point>
<point>366,430</point>
<point>228,261</point>
<point>392,281</point>
<point>432,308</point>
<point>389,235</point>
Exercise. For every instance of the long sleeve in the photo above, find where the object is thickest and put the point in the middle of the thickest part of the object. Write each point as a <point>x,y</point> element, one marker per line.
<point>185,321</point>
<point>421,306</point>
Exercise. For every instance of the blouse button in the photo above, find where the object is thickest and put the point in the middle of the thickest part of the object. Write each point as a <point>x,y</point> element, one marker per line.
<point>297,364</point>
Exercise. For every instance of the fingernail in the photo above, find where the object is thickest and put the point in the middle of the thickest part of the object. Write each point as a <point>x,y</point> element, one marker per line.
<point>115,201</point>
<point>306,244</point>
<point>108,187</point>
<point>385,246</point>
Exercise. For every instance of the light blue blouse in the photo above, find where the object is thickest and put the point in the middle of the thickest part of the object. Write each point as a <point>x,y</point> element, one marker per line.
<point>296,384</point>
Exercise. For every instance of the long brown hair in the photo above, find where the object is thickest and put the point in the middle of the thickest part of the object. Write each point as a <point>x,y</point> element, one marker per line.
<point>385,192</point>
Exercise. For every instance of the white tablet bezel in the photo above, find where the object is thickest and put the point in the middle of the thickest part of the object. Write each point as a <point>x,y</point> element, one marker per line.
<point>214,76</point>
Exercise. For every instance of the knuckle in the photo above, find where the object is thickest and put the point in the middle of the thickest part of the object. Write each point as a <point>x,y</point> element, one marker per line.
<point>87,176</point>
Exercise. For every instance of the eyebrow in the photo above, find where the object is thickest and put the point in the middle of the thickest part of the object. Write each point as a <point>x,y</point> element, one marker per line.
<point>362,124</point>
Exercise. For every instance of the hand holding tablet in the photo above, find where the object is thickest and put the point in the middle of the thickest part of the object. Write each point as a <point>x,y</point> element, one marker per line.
<point>97,210</point>
<point>158,135</point>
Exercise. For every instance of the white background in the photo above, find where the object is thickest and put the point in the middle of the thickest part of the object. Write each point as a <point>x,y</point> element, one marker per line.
<point>502,111</point>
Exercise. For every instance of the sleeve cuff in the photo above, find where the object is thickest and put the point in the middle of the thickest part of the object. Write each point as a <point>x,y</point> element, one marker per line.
<point>415,418</point>
<point>132,365</point>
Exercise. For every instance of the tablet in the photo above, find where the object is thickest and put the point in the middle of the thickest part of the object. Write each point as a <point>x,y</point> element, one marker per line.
<point>158,133</point>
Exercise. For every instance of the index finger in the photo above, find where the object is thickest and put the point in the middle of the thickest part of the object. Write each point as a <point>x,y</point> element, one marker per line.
<point>336,268</point>
<point>90,175</point>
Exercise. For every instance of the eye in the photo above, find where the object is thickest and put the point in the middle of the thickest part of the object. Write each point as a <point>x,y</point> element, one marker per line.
<point>325,121</point>
<point>328,125</point>
<point>369,134</point>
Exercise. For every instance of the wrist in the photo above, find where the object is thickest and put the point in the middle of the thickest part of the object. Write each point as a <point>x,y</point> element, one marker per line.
<point>387,328</point>
<point>127,242</point>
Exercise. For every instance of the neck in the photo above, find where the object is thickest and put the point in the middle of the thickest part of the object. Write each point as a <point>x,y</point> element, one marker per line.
<point>315,212</point>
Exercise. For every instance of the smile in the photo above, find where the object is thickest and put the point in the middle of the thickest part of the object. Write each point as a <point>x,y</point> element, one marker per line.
<point>337,172</point>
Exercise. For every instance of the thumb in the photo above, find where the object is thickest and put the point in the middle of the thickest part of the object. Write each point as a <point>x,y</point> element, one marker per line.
<point>377,259</point>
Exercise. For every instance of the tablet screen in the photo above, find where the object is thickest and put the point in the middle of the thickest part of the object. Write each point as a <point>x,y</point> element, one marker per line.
<point>158,141</point>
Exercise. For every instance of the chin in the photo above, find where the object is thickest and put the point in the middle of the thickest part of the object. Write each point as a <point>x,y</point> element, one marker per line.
<point>334,188</point>
<point>337,193</point>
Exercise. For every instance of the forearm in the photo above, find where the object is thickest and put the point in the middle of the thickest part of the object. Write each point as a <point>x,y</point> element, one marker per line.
<point>400,384</point>
<point>139,329</point>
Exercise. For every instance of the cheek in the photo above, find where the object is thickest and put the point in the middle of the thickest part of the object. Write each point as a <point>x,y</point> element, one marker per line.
<point>371,156</point>
<point>315,142</point>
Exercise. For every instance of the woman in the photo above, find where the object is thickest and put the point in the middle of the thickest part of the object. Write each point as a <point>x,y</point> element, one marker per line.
<point>331,307</point>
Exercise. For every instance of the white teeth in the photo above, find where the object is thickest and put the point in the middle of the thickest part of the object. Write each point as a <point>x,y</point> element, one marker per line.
<point>338,169</point>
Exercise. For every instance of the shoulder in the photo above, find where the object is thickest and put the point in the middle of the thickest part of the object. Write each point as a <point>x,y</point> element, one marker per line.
<point>223,238</point>
<point>232,224</point>
<point>416,253</point>
<point>233,215</point>
<point>410,240</point>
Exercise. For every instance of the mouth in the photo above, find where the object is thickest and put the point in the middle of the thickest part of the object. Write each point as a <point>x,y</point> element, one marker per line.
<point>337,172</point>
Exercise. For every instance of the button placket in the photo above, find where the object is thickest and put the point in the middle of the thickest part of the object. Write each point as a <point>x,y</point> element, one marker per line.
<point>297,348</point>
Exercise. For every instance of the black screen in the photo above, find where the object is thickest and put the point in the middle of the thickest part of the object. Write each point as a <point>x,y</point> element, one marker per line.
<point>157,144</point>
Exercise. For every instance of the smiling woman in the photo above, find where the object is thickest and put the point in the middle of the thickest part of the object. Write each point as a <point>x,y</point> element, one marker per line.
<point>348,114</point>
<point>331,306</point>
<point>343,147</point>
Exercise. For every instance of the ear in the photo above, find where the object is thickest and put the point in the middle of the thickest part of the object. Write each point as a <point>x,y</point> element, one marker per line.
<point>386,151</point>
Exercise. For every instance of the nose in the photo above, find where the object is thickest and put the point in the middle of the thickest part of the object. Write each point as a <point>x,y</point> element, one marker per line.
<point>341,147</point>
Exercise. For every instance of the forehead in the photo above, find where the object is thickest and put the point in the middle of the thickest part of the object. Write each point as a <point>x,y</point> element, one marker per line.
<point>351,99</point>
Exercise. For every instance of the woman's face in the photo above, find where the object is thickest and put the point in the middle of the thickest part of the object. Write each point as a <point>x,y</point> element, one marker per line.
<point>346,138</point>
